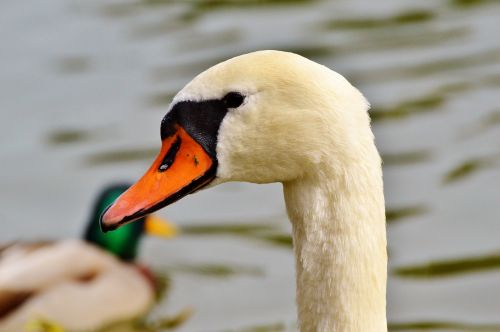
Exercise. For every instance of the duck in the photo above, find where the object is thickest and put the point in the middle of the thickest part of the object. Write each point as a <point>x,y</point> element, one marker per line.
<point>272,116</point>
<point>79,285</point>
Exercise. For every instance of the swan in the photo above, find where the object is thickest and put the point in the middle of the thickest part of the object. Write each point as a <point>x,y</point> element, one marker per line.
<point>80,285</point>
<point>272,116</point>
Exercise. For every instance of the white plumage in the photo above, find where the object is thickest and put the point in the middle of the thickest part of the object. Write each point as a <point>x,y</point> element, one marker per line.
<point>306,126</point>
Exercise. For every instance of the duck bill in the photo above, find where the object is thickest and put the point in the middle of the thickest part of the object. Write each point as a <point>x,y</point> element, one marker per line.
<point>182,167</point>
<point>159,227</point>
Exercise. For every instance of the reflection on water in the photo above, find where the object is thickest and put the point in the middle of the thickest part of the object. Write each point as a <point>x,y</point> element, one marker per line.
<point>267,233</point>
<point>73,65</point>
<point>243,229</point>
<point>161,98</point>
<point>465,4</point>
<point>443,326</point>
<point>276,327</point>
<point>120,156</point>
<point>396,214</point>
<point>413,326</point>
<point>85,85</point>
<point>488,122</point>
<point>443,65</point>
<point>407,17</point>
<point>163,324</point>
<point>68,136</point>
<point>407,107</point>
<point>215,270</point>
<point>467,168</point>
<point>450,267</point>
<point>406,158</point>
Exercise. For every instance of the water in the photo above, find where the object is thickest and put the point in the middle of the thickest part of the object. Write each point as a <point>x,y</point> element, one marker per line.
<point>84,85</point>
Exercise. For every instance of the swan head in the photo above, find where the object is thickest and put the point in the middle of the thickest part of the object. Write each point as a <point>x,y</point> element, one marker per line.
<point>267,116</point>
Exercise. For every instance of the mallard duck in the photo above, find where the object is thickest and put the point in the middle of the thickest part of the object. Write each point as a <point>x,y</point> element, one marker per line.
<point>81,285</point>
<point>273,116</point>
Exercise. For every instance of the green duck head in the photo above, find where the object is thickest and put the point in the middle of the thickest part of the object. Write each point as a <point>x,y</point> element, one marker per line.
<point>123,242</point>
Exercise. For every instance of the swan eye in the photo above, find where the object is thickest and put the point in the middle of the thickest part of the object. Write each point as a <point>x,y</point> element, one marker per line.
<point>233,99</point>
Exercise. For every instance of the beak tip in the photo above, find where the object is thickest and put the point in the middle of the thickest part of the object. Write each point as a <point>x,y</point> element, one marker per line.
<point>104,227</point>
<point>107,224</point>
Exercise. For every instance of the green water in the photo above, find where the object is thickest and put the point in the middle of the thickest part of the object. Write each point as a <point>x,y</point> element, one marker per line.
<point>84,85</point>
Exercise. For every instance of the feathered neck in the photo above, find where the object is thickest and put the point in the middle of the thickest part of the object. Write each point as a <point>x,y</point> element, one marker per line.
<point>339,237</point>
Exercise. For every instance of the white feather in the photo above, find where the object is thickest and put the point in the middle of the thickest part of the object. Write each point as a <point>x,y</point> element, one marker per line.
<point>306,126</point>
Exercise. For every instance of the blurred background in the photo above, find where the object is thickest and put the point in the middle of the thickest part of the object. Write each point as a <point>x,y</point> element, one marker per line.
<point>85,84</point>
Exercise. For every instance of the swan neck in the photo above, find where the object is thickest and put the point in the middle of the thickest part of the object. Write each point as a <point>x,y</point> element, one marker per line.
<point>340,249</point>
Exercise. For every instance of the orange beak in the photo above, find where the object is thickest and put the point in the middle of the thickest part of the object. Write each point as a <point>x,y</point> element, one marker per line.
<point>182,167</point>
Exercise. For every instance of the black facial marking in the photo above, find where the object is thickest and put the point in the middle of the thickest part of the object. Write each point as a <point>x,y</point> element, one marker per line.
<point>233,99</point>
<point>169,158</point>
<point>200,119</point>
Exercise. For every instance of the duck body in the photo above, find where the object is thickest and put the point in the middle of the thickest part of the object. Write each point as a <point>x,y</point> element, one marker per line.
<point>72,283</point>
<point>78,284</point>
<point>272,116</point>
